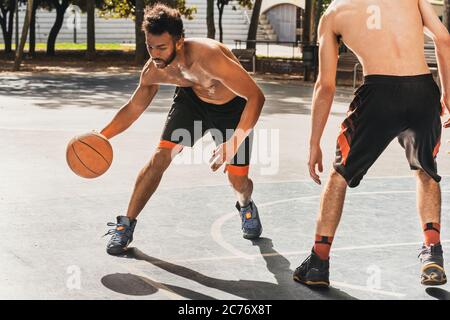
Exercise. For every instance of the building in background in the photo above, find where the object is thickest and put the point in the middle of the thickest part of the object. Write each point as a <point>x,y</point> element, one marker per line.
<point>284,17</point>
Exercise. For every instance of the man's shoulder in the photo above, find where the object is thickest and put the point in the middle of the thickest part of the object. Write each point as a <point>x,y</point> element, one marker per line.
<point>204,52</point>
<point>197,46</point>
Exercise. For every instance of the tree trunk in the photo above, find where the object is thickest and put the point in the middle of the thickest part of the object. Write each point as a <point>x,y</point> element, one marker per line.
<point>32,41</point>
<point>317,13</point>
<point>210,19</point>
<point>60,10</point>
<point>7,23</point>
<point>254,23</point>
<point>220,7</point>
<point>3,25</point>
<point>306,37</point>
<point>11,26</point>
<point>23,38</point>
<point>141,52</point>
<point>90,53</point>
<point>3,31</point>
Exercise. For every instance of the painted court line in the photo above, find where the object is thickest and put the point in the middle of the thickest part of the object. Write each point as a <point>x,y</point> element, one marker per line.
<point>290,181</point>
<point>170,294</point>
<point>296,253</point>
<point>366,289</point>
<point>216,228</point>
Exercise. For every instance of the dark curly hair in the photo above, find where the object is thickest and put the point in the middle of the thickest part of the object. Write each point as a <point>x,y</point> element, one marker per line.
<point>160,18</point>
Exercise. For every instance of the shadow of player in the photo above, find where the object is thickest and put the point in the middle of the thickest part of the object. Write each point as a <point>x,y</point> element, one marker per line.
<point>284,287</point>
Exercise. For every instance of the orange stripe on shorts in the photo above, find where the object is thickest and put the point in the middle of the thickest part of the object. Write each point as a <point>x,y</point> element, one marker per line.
<point>343,145</point>
<point>238,170</point>
<point>436,148</point>
<point>164,144</point>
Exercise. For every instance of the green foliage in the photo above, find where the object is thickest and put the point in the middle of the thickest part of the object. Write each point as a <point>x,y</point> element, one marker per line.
<point>126,8</point>
<point>247,4</point>
<point>325,4</point>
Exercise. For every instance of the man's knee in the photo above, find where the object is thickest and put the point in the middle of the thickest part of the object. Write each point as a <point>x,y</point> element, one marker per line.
<point>160,160</point>
<point>337,178</point>
<point>336,175</point>
<point>424,177</point>
<point>239,183</point>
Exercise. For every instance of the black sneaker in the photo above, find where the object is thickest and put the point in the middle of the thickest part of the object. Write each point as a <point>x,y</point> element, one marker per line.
<point>433,273</point>
<point>122,235</point>
<point>313,272</point>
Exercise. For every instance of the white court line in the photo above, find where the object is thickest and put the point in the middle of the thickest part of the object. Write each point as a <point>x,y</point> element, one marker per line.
<point>216,233</point>
<point>297,253</point>
<point>216,228</point>
<point>158,285</point>
<point>288,181</point>
<point>366,289</point>
<point>237,254</point>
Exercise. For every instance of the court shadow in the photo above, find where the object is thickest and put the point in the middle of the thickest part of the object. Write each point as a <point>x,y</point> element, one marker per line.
<point>284,288</point>
<point>280,267</point>
<point>133,285</point>
<point>438,293</point>
<point>52,91</point>
<point>109,91</point>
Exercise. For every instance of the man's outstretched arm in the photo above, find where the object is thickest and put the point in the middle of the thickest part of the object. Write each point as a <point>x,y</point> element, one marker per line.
<point>132,110</point>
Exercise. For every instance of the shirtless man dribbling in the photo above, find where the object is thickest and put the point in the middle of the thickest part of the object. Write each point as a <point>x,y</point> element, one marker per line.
<point>213,94</point>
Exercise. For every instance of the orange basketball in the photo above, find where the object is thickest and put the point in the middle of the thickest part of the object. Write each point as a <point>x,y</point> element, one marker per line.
<point>89,155</point>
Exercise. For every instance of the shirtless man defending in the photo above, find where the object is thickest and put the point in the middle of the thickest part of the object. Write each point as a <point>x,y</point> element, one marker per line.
<point>214,93</point>
<point>398,99</point>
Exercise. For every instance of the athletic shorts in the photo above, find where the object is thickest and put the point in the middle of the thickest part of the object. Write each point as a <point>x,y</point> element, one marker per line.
<point>190,118</point>
<point>386,107</point>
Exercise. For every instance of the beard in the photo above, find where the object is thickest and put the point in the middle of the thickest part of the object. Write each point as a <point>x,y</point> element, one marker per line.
<point>162,63</point>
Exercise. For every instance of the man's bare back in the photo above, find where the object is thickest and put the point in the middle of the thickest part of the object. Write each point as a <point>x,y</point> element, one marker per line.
<point>386,36</point>
<point>192,69</point>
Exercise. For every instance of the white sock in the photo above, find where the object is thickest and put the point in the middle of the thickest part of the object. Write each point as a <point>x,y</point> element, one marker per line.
<point>244,204</point>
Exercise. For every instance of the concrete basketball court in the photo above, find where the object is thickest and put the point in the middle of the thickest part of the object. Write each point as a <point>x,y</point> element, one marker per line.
<point>188,242</point>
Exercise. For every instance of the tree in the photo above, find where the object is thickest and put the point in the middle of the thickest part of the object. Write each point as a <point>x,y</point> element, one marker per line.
<point>61,6</point>
<point>318,10</point>
<point>221,6</point>
<point>141,52</point>
<point>23,39</point>
<point>135,9</point>
<point>306,36</point>
<point>90,8</point>
<point>7,8</point>
<point>60,11</point>
<point>32,40</point>
<point>210,19</point>
<point>314,9</point>
<point>254,22</point>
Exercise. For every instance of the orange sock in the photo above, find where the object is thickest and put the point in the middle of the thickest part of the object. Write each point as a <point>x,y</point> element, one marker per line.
<point>322,246</point>
<point>432,233</point>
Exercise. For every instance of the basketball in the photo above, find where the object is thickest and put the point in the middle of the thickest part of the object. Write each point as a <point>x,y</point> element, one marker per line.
<point>89,155</point>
